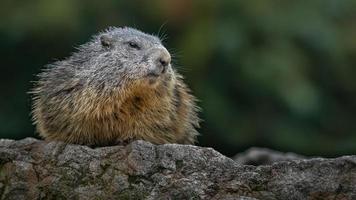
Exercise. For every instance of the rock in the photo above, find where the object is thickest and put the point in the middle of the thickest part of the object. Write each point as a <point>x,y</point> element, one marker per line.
<point>263,156</point>
<point>34,169</point>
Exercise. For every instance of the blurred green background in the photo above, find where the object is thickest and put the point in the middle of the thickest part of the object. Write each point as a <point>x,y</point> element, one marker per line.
<point>272,73</point>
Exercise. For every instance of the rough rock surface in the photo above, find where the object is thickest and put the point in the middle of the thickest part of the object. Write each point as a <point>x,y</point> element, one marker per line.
<point>262,156</point>
<point>34,169</point>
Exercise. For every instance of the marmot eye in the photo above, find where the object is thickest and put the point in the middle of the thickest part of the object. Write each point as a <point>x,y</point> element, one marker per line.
<point>134,45</point>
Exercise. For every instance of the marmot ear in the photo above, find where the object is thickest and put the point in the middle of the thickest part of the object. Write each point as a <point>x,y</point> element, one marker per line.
<point>106,41</point>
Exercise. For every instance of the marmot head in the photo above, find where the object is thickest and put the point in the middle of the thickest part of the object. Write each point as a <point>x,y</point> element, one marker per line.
<point>120,56</point>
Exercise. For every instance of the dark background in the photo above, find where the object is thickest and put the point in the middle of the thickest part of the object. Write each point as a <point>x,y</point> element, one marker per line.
<point>272,73</point>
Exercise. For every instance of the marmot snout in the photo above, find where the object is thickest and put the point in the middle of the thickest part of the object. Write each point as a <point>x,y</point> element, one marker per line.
<point>118,87</point>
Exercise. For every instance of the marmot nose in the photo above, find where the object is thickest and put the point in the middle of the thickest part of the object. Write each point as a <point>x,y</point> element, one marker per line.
<point>163,60</point>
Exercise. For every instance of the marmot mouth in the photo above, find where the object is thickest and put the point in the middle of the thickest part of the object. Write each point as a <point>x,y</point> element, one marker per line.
<point>153,75</point>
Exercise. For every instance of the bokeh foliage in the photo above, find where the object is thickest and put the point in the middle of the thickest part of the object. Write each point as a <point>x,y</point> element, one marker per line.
<point>272,73</point>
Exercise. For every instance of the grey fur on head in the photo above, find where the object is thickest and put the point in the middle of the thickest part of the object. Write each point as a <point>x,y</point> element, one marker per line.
<point>109,55</point>
<point>117,87</point>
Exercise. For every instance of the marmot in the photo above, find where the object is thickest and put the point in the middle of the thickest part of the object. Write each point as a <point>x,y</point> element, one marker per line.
<point>118,87</point>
